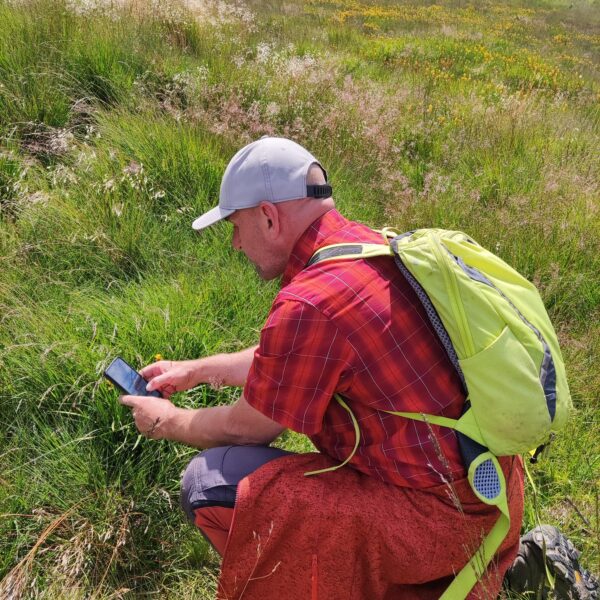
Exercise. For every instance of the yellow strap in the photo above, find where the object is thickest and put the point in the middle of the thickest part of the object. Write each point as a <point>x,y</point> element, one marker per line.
<point>528,473</point>
<point>388,233</point>
<point>433,419</point>
<point>368,251</point>
<point>549,575</point>
<point>357,440</point>
<point>465,424</point>
<point>472,572</point>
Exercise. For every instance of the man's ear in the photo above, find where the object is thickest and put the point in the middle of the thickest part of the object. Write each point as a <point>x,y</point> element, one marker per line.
<point>270,217</point>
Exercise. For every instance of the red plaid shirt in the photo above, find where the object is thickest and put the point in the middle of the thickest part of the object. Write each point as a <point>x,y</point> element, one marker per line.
<point>355,327</point>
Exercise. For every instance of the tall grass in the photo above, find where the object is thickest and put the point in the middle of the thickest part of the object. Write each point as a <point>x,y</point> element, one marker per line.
<point>116,122</point>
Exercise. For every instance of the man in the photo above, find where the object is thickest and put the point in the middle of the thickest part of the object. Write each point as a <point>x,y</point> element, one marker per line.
<point>400,520</point>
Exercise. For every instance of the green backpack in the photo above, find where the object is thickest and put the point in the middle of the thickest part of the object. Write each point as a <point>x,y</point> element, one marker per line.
<point>497,333</point>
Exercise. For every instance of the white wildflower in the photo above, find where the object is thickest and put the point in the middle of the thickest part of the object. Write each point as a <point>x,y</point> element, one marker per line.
<point>91,131</point>
<point>298,65</point>
<point>61,141</point>
<point>263,52</point>
<point>272,109</point>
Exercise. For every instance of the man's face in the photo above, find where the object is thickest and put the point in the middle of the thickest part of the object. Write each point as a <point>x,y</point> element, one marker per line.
<point>253,235</point>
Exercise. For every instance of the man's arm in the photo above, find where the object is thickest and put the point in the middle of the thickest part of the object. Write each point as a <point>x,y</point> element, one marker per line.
<point>169,376</point>
<point>236,424</point>
<point>229,369</point>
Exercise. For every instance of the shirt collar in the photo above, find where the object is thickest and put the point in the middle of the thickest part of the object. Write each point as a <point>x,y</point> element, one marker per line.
<point>316,236</point>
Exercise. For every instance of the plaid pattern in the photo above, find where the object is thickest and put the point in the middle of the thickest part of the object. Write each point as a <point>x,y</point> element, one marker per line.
<point>356,327</point>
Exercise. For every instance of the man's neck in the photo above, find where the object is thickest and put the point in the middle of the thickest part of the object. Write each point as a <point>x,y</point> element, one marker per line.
<point>310,240</point>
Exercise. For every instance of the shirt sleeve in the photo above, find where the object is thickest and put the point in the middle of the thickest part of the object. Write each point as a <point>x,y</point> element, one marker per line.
<point>301,362</point>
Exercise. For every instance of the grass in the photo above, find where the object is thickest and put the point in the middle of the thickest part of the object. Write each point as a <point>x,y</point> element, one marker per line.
<point>116,122</point>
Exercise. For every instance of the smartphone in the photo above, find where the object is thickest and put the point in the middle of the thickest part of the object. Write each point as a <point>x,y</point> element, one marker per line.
<point>127,379</point>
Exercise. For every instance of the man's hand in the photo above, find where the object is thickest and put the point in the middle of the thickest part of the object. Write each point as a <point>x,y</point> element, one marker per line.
<point>170,376</point>
<point>153,416</point>
<point>234,424</point>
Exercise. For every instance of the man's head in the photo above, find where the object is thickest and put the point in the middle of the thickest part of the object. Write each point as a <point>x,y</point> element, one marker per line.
<point>271,191</point>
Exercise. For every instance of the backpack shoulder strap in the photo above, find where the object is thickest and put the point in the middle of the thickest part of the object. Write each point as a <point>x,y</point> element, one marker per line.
<point>341,251</point>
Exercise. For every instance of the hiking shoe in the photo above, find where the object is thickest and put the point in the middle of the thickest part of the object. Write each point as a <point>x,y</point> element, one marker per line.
<point>527,575</point>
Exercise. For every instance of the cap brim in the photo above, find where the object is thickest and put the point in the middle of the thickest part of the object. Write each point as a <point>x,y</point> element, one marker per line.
<point>211,217</point>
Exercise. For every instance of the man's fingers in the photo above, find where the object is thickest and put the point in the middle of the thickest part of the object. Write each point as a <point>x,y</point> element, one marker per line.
<point>150,371</point>
<point>155,383</point>
<point>131,401</point>
<point>163,385</point>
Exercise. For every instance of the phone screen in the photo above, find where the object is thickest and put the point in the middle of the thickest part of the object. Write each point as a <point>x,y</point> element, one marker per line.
<point>128,379</point>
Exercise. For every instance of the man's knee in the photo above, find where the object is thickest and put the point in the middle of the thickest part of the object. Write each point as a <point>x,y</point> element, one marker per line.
<point>203,474</point>
<point>212,476</point>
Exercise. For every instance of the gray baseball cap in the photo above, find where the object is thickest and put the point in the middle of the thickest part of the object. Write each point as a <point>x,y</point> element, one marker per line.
<point>272,169</point>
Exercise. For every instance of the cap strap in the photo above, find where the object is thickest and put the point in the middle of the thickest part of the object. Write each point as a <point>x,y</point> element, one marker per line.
<point>318,191</point>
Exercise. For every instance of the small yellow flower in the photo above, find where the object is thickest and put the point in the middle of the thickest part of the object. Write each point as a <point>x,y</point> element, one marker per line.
<point>158,357</point>
<point>430,108</point>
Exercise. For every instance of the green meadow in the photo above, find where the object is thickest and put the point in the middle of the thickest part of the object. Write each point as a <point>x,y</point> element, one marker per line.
<point>117,118</point>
